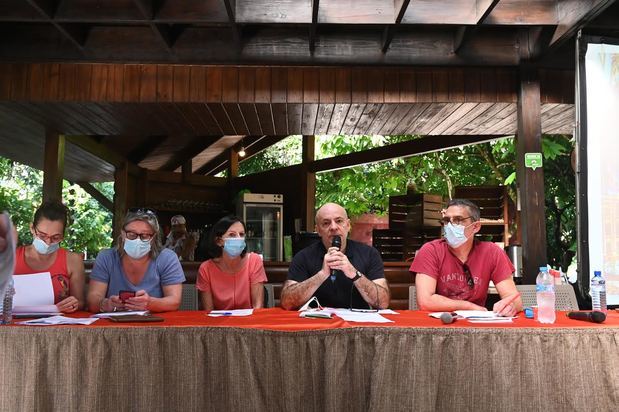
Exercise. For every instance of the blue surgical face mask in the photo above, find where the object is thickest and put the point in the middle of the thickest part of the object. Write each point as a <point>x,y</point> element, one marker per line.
<point>454,234</point>
<point>234,246</point>
<point>43,248</point>
<point>136,248</point>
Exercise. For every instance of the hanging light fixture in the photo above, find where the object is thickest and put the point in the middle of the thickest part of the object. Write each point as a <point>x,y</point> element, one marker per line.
<point>241,151</point>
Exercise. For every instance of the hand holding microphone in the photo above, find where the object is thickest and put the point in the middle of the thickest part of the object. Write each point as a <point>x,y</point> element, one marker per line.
<point>337,243</point>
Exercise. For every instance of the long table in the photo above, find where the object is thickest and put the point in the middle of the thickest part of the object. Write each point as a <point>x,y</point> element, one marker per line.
<point>274,360</point>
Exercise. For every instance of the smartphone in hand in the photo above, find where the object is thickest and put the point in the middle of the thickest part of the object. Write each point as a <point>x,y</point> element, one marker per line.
<point>123,295</point>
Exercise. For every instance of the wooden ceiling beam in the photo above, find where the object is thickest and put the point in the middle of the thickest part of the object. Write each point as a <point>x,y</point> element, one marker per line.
<point>97,195</point>
<point>400,9</point>
<point>192,149</point>
<point>404,149</point>
<point>252,145</point>
<point>236,30</point>
<point>77,34</point>
<point>91,145</point>
<point>464,33</point>
<point>573,15</point>
<point>162,32</point>
<point>314,26</point>
<point>146,147</point>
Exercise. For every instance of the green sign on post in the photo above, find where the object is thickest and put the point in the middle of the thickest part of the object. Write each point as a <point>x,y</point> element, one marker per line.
<point>533,160</point>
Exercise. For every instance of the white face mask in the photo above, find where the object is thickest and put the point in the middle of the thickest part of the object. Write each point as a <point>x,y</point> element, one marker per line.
<point>43,248</point>
<point>136,248</point>
<point>454,234</point>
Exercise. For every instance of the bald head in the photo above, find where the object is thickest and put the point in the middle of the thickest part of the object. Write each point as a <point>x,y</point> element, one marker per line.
<point>332,220</point>
<point>328,208</point>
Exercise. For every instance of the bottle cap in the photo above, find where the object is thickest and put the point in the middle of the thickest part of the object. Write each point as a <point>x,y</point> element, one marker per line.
<point>597,273</point>
<point>543,269</point>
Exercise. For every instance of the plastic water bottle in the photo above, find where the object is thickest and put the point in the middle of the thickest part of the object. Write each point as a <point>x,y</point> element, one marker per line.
<point>598,292</point>
<point>545,287</point>
<point>7,303</point>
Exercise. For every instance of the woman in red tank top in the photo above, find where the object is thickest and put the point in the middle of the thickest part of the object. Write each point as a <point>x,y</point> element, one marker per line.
<point>46,255</point>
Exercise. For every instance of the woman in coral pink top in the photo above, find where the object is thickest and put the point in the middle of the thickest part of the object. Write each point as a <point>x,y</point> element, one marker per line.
<point>233,278</point>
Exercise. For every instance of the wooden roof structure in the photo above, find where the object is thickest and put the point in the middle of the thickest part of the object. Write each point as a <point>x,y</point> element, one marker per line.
<point>161,83</point>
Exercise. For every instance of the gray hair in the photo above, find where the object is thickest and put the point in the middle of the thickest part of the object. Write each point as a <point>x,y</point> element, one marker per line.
<point>472,207</point>
<point>149,217</point>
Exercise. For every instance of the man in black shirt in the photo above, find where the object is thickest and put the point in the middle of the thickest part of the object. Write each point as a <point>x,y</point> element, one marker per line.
<point>358,281</point>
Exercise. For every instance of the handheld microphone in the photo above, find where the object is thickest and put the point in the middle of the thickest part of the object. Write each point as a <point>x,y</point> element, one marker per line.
<point>595,316</point>
<point>447,318</point>
<point>336,242</point>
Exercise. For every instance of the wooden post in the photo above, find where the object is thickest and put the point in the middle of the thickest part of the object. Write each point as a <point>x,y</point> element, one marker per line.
<point>121,193</point>
<point>186,170</point>
<point>53,166</point>
<point>233,164</point>
<point>308,191</point>
<point>530,182</point>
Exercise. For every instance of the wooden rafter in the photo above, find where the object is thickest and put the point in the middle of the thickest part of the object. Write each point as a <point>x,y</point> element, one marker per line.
<point>236,30</point>
<point>97,195</point>
<point>389,32</point>
<point>464,33</point>
<point>162,32</point>
<point>573,15</point>
<point>313,25</point>
<point>101,151</point>
<point>146,147</point>
<point>77,34</point>
<point>403,149</point>
<point>197,145</point>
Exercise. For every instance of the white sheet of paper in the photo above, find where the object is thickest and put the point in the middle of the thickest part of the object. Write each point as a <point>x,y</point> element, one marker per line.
<point>33,290</point>
<point>121,313</point>
<point>479,316</point>
<point>21,310</point>
<point>232,312</point>
<point>351,316</point>
<point>59,320</point>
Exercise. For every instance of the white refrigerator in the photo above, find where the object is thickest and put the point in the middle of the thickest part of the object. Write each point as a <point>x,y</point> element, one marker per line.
<point>263,217</point>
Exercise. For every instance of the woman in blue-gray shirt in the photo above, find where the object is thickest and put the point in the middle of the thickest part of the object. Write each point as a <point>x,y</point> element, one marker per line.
<point>138,264</point>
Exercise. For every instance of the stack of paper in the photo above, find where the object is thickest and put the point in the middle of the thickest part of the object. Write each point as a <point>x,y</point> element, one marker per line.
<point>481,316</point>
<point>58,320</point>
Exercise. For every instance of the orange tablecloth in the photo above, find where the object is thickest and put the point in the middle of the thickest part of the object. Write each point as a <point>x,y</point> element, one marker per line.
<point>282,320</point>
<point>276,361</point>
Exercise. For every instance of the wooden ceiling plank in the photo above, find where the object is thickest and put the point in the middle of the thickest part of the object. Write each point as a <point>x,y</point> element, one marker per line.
<point>280,118</point>
<point>309,116</point>
<point>265,116</point>
<point>295,117</point>
<point>323,118</point>
<point>456,116</point>
<point>236,117</point>
<point>384,114</point>
<point>352,118</point>
<point>475,125</point>
<point>397,150</point>
<point>370,111</point>
<point>222,119</point>
<point>399,113</point>
<point>408,123</point>
<point>338,117</point>
<point>478,110</point>
<point>250,117</point>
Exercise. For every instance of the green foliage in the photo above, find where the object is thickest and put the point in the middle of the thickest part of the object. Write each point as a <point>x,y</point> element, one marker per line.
<point>286,152</point>
<point>90,226</point>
